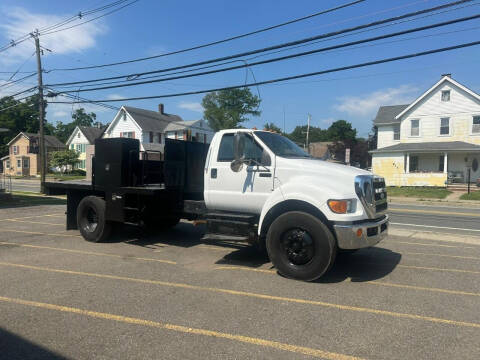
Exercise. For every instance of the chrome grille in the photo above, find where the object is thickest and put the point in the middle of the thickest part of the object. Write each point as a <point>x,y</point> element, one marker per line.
<point>371,191</point>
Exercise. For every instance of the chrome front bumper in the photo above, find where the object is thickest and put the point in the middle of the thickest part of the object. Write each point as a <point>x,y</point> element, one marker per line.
<point>372,233</point>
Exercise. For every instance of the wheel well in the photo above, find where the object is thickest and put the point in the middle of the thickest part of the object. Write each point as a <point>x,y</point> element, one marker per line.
<point>292,205</point>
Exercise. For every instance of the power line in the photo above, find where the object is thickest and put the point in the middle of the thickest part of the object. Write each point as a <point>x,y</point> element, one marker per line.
<point>50,28</point>
<point>343,68</point>
<point>95,18</point>
<point>274,47</point>
<point>218,41</point>
<point>6,85</point>
<point>422,28</point>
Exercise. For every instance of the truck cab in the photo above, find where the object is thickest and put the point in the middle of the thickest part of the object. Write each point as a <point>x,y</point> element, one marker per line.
<point>267,176</point>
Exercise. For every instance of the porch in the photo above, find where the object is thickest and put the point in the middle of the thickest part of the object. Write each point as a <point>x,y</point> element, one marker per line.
<point>427,164</point>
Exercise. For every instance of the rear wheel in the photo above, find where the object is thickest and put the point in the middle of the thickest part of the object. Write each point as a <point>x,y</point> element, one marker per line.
<point>91,219</point>
<point>300,246</point>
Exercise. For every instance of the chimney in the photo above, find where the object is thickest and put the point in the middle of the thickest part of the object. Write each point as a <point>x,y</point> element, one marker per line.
<point>160,108</point>
<point>448,75</point>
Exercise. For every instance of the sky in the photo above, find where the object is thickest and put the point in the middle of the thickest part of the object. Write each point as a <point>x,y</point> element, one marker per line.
<point>150,27</point>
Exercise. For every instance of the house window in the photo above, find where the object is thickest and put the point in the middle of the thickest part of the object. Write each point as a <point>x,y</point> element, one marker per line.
<point>26,163</point>
<point>159,138</point>
<point>176,135</point>
<point>476,125</point>
<point>441,160</point>
<point>15,149</point>
<point>446,95</point>
<point>128,134</point>
<point>7,165</point>
<point>78,135</point>
<point>72,146</point>
<point>415,127</point>
<point>19,163</point>
<point>413,163</point>
<point>444,126</point>
<point>396,132</point>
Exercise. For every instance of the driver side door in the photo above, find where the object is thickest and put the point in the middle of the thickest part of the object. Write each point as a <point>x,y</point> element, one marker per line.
<point>243,191</point>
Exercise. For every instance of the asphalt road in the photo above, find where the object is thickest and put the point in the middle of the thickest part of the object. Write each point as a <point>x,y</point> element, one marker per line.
<point>448,219</point>
<point>173,296</point>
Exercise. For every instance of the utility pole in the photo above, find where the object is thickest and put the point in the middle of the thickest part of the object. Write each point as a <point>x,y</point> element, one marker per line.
<point>41,112</point>
<point>309,117</point>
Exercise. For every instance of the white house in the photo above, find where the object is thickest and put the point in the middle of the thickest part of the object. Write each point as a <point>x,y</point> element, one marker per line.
<point>434,139</point>
<point>152,127</point>
<point>80,139</point>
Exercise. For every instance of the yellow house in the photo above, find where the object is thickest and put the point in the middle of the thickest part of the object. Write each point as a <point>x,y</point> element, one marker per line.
<point>23,159</point>
<point>433,141</point>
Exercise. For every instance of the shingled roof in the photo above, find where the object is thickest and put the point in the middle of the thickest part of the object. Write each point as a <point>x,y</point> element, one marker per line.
<point>386,114</point>
<point>429,146</point>
<point>50,141</point>
<point>152,120</point>
<point>92,133</point>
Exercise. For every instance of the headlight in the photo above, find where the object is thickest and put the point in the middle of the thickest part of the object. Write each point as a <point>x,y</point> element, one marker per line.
<point>342,206</point>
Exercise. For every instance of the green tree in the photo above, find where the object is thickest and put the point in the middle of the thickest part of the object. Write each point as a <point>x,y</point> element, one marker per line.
<point>19,116</point>
<point>227,109</point>
<point>315,134</point>
<point>272,127</point>
<point>79,118</point>
<point>341,130</point>
<point>64,158</point>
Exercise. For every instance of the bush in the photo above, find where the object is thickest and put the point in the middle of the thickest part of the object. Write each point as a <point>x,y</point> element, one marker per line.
<point>79,172</point>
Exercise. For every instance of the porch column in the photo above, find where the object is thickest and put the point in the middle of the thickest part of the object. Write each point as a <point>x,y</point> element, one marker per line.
<point>407,170</point>
<point>445,163</point>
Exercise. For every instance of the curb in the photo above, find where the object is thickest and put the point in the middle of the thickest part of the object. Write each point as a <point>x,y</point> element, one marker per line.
<point>420,201</point>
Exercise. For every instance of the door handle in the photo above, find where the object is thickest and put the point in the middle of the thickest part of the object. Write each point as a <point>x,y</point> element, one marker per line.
<point>213,173</point>
<point>265,174</point>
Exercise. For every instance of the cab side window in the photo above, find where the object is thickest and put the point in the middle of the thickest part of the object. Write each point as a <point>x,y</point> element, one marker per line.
<point>253,151</point>
<point>225,151</point>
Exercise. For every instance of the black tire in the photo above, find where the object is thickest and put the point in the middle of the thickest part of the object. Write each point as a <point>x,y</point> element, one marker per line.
<point>300,246</point>
<point>91,220</point>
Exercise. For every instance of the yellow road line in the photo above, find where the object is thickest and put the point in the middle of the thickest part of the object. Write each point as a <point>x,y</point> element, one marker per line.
<point>39,233</point>
<point>89,252</point>
<point>437,212</point>
<point>35,222</point>
<point>438,269</point>
<point>456,292</point>
<point>30,217</point>
<point>444,255</point>
<point>57,215</point>
<point>254,295</point>
<point>183,329</point>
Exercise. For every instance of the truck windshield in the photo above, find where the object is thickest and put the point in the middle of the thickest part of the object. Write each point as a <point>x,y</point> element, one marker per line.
<point>280,145</point>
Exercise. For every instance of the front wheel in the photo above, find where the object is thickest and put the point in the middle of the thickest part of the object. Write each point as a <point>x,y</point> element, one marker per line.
<point>300,246</point>
<point>91,219</point>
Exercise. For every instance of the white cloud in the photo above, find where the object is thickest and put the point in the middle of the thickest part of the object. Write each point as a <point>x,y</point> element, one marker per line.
<point>60,113</point>
<point>115,97</point>
<point>18,21</point>
<point>192,106</point>
<point>368,104</point>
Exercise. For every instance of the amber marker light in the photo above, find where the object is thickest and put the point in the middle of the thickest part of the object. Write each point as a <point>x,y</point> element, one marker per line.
<point>338,206</point>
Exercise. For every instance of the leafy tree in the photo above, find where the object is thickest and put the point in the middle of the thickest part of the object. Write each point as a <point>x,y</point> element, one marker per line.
<point>80,118</point>
<point>227,109</point>
<point>299,134</point>
<point>341,130</point>
<point>19,116</point>
<point>64,158</point>
<point>272,127</point>
<point>372,138</point>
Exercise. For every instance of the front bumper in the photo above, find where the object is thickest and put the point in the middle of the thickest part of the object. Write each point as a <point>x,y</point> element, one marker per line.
<point>372,233</point>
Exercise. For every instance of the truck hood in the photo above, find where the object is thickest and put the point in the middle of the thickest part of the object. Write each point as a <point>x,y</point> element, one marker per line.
<point>338,179</point>
<point>312,165</point>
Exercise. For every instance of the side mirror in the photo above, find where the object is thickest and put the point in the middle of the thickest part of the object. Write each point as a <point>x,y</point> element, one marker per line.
<point>238,152</point>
